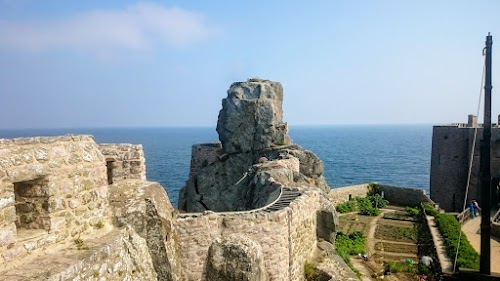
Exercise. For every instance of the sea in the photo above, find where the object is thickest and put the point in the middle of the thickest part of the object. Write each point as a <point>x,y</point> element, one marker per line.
<point>352,154</point>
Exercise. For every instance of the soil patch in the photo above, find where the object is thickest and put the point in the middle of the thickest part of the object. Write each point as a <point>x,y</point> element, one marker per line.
<point>387,246</point>
<point>354,222</point>
<point>396,233</point>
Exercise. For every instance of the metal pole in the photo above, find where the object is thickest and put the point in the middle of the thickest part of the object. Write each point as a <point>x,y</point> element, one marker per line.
<point>485,262</point>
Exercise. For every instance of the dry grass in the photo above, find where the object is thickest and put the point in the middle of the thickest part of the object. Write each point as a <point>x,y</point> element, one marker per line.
<point>354,222</point>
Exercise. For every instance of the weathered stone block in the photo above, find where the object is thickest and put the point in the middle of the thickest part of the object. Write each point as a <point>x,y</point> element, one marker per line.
<point>7,200</point>
<point>41,154</point>
<point>10,214</point>
<point>8,235</point>
<point>235,258</point>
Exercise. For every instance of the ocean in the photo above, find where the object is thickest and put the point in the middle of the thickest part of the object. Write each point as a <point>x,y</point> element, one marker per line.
<point>352,154</point>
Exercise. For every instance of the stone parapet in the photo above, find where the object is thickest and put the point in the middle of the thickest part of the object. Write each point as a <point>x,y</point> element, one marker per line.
<point>287,237</point>
<point>340,195</point>
<point>51,189</point>
<point>124,161</point>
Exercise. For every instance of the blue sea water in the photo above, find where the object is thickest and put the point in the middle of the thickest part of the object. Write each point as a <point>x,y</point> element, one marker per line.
<point>389,154</point>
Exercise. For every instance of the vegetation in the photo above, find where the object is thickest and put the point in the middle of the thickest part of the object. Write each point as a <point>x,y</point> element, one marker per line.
<point>312,273</point>
<point>368,206</point>
<point>407,266</point>
<point>450,229</point>
<point>350,244</point>
<point>99,225</point>
<point>413,211</point>
<point>373,189</point>
<point>309,270</point>
<point>347,207</point>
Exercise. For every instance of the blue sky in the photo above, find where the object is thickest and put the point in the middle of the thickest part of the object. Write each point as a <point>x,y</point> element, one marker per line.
<point>169,63</point>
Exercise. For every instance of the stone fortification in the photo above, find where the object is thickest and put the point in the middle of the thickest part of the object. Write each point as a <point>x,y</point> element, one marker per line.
<point>402,196</point>
<point>73,210</point>
<point>51,189</point>
<point>241,185</point>
<point>286,236</point>
<point>452,147</point>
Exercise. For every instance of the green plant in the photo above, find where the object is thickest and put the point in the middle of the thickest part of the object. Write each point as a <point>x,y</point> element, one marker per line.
<point>450,229</point>
<point>96,274</point>
<point>366,208</point>
<point>413,211</point>
<point>309,270</point>
<point>80,245</point>
<point>350,244</point>
<point>373,189</point>
<point>346,207</point>
<point>99,225</point>
<point>377,201</point>
<point>400,267</point>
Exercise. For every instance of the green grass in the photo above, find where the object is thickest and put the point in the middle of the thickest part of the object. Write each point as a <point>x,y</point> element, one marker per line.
<point>350,244</point>
<point>450,229</point>
<point>347,207</point>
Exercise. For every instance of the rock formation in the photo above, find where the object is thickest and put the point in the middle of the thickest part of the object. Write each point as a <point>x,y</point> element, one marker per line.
<point>255,157</point>
<point>235,258</point>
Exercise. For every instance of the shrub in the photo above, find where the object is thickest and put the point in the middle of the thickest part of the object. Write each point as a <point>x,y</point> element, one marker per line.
<point>450,229</point>
<point>413,211</point>
<point>377,201</point>
<point>373,189</point>
<point>366,208</point>
<point>346,207</point>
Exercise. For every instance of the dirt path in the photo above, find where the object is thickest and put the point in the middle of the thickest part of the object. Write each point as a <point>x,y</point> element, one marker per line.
<point>471,229</point>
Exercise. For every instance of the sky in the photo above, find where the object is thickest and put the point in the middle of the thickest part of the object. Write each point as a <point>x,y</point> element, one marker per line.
<point>75,64</point>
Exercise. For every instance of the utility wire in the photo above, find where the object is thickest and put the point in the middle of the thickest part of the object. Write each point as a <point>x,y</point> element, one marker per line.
<point>470,167</point>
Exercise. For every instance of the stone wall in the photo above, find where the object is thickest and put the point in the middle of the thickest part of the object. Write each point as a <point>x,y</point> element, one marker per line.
<point>343,194</point>
<point>451,154</point>
<point>404,196</point>
<point>124,161</point>
<point>51,189</point>
<point>203,155</point>
<point>287,236</point>
<point>396,195</point>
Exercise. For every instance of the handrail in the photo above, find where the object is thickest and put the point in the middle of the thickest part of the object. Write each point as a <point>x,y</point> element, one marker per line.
<point>235,212</point>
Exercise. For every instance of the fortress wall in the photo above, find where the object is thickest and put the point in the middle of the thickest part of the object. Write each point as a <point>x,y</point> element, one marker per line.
<point>124,161</point>
<point>303,237</point>
<point>449,166</point>
<point>287,237</point>
<point>51,189</point>
<point>404,196</point>
<point>203,155</point>
<point>270,230</point>
<point>343,194</point>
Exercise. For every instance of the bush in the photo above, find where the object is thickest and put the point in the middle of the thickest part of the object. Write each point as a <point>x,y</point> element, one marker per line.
<point>377,201</point>
<point>346,207</point>
<point>366,207</point>
<point>450,229</point>
<point>413,211</point>
<point>373,189</point>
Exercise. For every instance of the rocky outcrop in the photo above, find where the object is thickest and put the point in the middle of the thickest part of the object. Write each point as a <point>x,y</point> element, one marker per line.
<point>256,157</point>
<point>251,118</point>
<point>235,257</point>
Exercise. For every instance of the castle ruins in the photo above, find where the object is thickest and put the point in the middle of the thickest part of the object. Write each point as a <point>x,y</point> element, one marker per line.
<point>255,206</point>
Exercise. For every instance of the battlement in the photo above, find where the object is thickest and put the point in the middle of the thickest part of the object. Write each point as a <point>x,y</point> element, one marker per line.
<point>56,188</point>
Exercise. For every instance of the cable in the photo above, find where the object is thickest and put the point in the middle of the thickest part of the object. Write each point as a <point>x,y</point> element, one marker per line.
<point>470,165</point>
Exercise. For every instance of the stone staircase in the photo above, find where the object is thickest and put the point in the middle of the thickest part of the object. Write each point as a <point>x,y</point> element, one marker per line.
<point>287,196</point>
